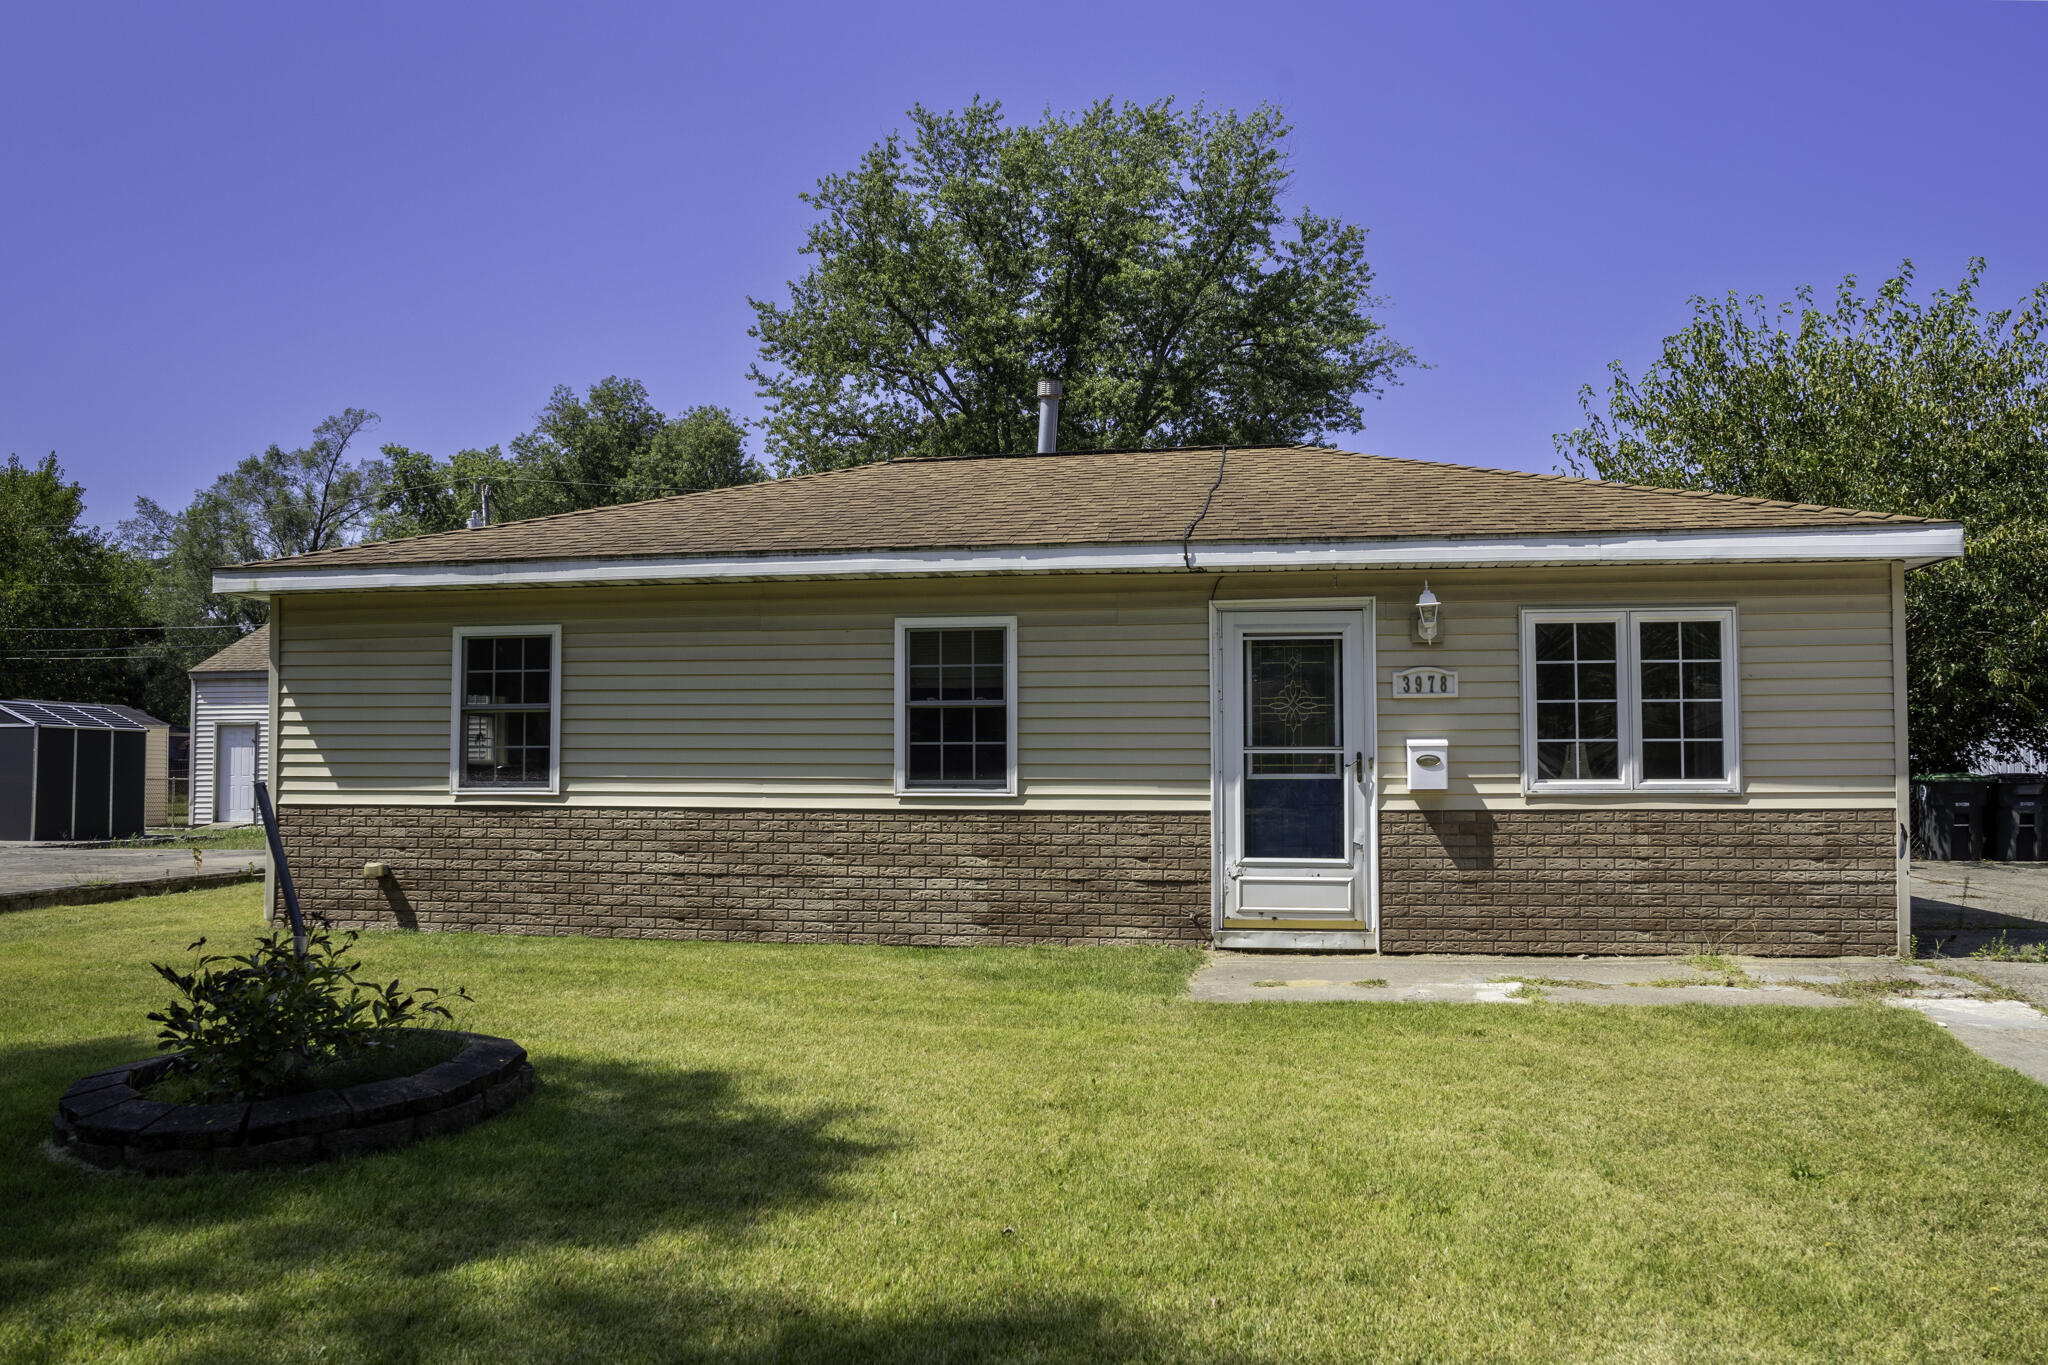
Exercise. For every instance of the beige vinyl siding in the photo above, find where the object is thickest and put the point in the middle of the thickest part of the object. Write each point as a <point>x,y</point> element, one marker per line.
<point>1813,650</point>
<point>156,776</point>
<point>743,694</point>
<point>736,694</point>
<point>223,699</point>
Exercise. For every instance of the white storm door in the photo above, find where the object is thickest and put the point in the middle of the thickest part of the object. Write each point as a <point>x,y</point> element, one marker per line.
<point>1296,744</point>
<point>237,774</point>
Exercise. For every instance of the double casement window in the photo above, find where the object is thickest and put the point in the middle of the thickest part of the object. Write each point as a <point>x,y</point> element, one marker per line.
<point>956,705</point>
<point>1618,699</point>
<point>507,705</point>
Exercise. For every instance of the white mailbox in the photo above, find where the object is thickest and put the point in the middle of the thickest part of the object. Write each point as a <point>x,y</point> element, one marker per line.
<point>1429,765</point>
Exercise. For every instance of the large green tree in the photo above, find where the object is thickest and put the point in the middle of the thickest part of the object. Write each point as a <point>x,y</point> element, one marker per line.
<point>609,445</point>
<point>1932,408</point>
<point>280,502</point>
<point>72,609</point>
<point>1138,253</point>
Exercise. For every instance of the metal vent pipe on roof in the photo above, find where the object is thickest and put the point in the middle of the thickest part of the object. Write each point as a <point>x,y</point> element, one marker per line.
<point>1049,391</point>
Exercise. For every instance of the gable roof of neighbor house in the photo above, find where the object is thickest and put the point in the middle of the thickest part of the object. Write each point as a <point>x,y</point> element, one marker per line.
<point>1267,495</point>
<point>250,654</point>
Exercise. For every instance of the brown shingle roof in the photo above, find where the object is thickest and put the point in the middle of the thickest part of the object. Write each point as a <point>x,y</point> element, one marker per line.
<point>1272,493</point>
<point>250,654</point>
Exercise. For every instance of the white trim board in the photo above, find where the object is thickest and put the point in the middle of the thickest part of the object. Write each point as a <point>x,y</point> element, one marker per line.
<point>1912,545</point>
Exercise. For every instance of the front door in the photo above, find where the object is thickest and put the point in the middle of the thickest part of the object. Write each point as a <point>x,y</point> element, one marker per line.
<point>237,774</point>
<point>1295,781</point>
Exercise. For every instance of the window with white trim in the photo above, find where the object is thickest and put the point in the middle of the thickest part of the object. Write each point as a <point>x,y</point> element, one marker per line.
<point>956,712</point>
<point>1630,699</point>
<point>507,696</point>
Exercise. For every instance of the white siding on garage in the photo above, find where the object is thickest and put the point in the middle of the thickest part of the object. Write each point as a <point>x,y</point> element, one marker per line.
<point>223,699</point>
<point>780,694</point>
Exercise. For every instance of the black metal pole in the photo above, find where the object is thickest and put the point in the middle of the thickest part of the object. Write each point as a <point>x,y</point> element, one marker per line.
<point>284,869</point>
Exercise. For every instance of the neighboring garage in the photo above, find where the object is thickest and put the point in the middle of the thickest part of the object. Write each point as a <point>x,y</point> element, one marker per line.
<point>230,712</point>
<point>73,770</point>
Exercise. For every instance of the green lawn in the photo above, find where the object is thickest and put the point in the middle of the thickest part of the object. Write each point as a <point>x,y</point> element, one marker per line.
<point>762,1153</point>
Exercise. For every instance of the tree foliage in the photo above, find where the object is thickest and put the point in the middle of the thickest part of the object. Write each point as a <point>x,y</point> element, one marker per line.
<point>611,445</point>
<point>1932,409</point>
<point>71,603</point>
<point>280,502</point>
<point>1139,253</point>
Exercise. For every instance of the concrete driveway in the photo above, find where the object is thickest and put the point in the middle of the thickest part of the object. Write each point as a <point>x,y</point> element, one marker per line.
<point>33,875</point>
<point>1960,907</point>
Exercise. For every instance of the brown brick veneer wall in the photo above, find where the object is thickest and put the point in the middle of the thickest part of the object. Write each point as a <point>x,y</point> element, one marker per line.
<point>1772,882</point>
<point>791,876</point>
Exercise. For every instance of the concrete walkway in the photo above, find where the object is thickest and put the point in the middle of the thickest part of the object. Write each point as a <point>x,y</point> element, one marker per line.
<point>35,875</point>
<point>2011,1032</point>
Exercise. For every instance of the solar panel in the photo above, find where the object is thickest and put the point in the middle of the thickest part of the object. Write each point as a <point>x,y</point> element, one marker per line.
<point>72,715</point>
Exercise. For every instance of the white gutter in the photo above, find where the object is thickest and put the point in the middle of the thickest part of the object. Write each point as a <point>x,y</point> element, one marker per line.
<point>1913,545</point>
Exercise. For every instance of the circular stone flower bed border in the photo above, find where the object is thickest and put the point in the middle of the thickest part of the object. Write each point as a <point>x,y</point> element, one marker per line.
<point>105,1120</point>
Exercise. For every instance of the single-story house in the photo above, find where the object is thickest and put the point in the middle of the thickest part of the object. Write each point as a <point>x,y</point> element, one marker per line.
<point>231,730</point>
<point>1273,697</point>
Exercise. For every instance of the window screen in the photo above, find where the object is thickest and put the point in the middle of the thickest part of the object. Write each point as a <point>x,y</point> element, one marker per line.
<point>1681,700</point>
<point>507,711</point>
<point>1578,701</point>
<point>956,708</point>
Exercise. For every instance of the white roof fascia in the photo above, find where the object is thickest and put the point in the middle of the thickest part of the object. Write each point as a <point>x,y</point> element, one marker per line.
<point>1915,545</point>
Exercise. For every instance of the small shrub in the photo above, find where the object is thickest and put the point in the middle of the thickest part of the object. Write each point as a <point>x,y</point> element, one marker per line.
<point>265,1022</point>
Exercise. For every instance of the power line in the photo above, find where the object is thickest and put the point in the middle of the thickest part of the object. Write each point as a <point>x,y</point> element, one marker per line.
<point>225,625</point>
<point>73,658</point>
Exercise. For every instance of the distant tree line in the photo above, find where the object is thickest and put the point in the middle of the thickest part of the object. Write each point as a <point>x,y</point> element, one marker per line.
<point>87,616</point>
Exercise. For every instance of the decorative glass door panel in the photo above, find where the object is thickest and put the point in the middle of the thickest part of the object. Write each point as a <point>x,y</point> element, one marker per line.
<point>1294,797</point>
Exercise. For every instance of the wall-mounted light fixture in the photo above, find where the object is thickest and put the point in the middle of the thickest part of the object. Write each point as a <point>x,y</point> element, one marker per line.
<point>1428,624</point>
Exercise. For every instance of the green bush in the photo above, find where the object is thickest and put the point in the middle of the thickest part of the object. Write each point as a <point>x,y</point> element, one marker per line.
<point>261,1023</point>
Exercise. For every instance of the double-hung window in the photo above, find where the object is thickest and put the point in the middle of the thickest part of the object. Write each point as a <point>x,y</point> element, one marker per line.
<point>956,705</point>
<point>507,705</point>
<point>1630,699</point>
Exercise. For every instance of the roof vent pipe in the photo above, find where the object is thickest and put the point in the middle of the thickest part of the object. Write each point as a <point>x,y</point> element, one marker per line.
<point>1049,391</point>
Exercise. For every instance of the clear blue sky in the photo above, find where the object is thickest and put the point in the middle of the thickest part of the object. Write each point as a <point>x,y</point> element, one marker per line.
<point>219,223</point>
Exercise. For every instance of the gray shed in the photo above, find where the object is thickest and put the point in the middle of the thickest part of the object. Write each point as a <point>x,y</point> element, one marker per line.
<point>72,770</point>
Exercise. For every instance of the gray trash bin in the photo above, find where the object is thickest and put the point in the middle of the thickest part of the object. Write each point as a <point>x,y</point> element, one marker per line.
<point>1949,818</point>
<point>2013,833</point>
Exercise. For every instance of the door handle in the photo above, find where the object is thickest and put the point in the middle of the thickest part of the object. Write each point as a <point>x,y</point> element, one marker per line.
<point>1358,767</point>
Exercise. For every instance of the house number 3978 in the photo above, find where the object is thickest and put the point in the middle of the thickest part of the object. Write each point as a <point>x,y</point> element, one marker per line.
<point>1425,682</point>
